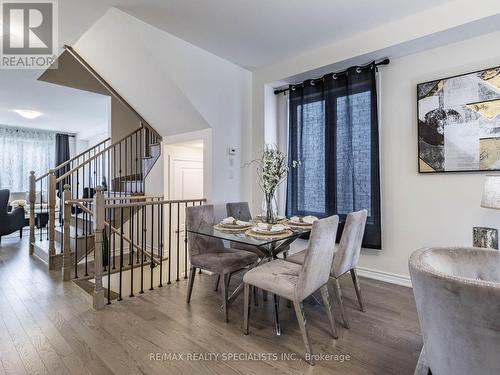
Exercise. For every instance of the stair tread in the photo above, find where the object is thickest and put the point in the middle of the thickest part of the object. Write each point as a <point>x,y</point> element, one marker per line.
<point>44,245</point>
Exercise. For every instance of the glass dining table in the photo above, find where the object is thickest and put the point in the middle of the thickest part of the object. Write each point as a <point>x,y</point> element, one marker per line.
<point>268,245</point>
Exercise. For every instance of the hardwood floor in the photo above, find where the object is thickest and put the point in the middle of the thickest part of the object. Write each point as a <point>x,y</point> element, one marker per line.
<point>49,327</point>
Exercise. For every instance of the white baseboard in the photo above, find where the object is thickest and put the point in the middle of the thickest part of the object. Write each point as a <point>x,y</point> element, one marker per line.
<point>387,277</point>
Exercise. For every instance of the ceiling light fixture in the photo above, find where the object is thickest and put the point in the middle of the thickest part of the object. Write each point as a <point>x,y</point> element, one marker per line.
<point>26,113</point>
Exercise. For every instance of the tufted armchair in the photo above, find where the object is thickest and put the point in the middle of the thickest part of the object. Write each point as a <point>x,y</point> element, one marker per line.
<point>10,221</point>
<point>457,292</point>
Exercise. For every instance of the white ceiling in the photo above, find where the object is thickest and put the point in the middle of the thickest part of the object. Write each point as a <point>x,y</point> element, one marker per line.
<point>256,33</point>
<point>64,109</point>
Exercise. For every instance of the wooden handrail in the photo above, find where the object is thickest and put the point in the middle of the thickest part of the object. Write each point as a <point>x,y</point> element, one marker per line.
<point>71,171</point>
<point>81,154</point>
<point>42,176</point>
<point>135,197</point>
<point>152,203</point>
<point>70,160</point>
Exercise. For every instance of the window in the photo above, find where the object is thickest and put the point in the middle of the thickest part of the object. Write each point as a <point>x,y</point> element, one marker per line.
<point>22,151</point>
<point>333,131</point>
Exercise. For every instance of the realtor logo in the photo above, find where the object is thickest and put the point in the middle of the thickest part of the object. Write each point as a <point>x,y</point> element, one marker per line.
<point>29,34</point>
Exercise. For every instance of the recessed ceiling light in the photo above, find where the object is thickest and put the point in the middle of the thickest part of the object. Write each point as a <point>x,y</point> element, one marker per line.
<point>26,113</point>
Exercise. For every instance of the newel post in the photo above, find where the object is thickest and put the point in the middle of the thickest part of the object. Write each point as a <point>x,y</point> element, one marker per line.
<point>52,218</point>
<point>32,197</point>
<point>66,234</point>
<point>99,212</point>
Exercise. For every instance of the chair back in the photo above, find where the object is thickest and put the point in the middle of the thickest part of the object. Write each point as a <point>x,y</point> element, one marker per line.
<point>318,258</point>
<point>239,210</point>
<point>457,293</point>
<point>4,201</point>
<point>196,217</point>
<point>347,255</point>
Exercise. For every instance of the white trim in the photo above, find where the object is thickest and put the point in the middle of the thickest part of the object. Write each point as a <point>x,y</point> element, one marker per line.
<point>392,278</point>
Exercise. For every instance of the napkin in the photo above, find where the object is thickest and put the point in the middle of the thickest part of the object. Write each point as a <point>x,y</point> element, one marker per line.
<point>228,220</point>
<point>309,219</point>
<point>305,219</point>
<point>273,228</point>
<point>242,223</point>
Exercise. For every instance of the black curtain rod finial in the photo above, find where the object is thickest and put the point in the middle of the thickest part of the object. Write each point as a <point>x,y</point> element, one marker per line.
<point>385,61</point>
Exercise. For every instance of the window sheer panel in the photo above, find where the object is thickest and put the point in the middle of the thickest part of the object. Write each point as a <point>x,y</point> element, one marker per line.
<point>23,151</point>
<point>307,183</point>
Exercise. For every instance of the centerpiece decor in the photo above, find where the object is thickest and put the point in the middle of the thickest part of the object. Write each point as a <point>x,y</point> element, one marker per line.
<point>272,169</point>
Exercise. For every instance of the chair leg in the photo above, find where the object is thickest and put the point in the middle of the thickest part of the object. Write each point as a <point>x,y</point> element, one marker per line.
<point>216,287</point>
<point>192,274</point>
<point>422,367</point>
<point>246,308</point>
<point>327,302</point>
<point>255,295</point>
<point>21,233</point>
<point>338,294</point>
<point>301,318</point>
<point>277,323</point>
<point>355,280</point>
<point>223,288</point>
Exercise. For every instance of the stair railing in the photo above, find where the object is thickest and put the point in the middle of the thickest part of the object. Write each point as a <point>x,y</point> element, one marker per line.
<point>119,167</point>
<point>43,202</point>
<point>140,236</point>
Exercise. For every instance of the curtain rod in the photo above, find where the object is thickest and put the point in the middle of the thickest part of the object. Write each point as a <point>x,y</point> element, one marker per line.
<point>383,62</point>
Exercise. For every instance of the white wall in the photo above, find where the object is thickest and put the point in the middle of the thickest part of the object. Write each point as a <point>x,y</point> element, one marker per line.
<point>423,210</point>
<point>177,88</point>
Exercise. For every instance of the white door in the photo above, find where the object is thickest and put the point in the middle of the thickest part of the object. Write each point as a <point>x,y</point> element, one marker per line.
<point>187,179</point>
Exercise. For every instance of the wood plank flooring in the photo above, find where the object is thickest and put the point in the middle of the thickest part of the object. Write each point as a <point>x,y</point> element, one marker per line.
<point>49,327</point>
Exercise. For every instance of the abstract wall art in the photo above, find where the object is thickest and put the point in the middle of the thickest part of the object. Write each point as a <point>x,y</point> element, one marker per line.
<point>459,123</point>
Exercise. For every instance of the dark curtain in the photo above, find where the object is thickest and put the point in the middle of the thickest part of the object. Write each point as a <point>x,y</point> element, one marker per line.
<point>62,155</point>
<point>334,133</point>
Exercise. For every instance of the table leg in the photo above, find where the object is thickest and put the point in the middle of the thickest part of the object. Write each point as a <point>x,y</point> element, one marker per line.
<point>239,288</point>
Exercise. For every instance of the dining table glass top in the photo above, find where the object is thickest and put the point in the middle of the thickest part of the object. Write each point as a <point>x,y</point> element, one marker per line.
<point>243,238</point>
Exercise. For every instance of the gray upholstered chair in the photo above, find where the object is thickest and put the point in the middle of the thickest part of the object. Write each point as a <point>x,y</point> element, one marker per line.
<point>346,257</point>
<point>241,211</point>
<point>10,221</point>
<point>209,253</point>
<point>297,282</point>
<point>457,292</point>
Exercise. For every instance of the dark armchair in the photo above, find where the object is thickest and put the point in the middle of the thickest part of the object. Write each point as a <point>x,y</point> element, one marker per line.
<point>10,221</point>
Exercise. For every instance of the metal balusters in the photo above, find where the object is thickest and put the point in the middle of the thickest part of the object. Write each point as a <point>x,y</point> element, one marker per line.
<point>185,243</point>
<point>152,247</point>
<point>169,240</point>
<point>121,255</point>
<point>178,239</point>
<point>160,231</point>
<point>143,243</point>
<point>109,256</point>
<point>131,253</point>
<point>120,167</point>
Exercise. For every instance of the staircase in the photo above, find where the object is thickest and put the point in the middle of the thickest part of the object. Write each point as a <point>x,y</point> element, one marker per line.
<point>121,167</point>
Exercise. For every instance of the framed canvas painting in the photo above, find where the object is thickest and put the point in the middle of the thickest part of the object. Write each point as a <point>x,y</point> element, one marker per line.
<point>459,123</point>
